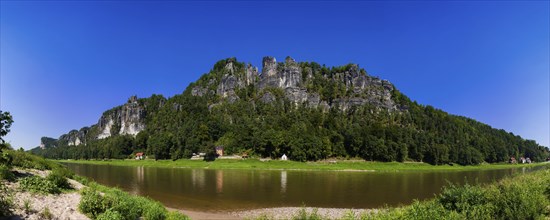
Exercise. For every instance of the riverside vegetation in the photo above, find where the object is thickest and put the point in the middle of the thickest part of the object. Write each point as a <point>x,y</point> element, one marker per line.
<point>305,110</point>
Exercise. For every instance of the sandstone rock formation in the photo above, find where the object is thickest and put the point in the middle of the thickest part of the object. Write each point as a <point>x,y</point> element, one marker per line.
<point>291,77</point>
<point>126,119</point>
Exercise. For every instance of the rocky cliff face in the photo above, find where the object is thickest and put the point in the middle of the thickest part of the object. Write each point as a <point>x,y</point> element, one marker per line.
<point>364,89</point>
<point>126,119</point>
<point>122,120</point>
<point>287,75</point>
<point>292,78</point>
<point>74,137</point>
<point>47,142</point>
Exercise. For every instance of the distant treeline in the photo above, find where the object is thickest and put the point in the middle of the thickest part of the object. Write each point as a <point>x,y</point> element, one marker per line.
<point>187,124</point>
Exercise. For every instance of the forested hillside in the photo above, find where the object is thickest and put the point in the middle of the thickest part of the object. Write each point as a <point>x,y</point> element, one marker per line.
<point>302,109</point>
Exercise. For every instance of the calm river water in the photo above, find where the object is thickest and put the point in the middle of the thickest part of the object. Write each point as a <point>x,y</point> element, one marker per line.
<point>228,190</point>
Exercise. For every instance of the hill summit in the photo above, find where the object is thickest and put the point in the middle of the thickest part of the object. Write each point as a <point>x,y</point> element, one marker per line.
<point>302,109</point>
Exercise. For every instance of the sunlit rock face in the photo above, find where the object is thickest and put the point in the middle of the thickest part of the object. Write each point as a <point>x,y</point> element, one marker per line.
<point>286,75</point>
<point>75,137</point>
<point>126,119</point>
<point>132,117</point>
<point>47,142</point>
<point>292,78</point>
<point>105,125</point>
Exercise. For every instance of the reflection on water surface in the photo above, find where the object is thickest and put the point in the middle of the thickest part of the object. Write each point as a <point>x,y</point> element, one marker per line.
<point>223,190</point>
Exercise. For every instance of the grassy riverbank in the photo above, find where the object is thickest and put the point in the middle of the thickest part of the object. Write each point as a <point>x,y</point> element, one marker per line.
<point>293,165</point>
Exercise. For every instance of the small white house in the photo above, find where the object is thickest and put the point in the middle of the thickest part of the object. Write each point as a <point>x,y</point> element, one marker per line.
<point>284,157</point>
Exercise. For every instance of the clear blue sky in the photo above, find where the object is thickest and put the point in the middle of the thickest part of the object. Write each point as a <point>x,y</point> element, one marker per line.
<point>65,62</point>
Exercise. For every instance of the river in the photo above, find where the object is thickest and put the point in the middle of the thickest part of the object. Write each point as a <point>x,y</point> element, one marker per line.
<point>233,190</point>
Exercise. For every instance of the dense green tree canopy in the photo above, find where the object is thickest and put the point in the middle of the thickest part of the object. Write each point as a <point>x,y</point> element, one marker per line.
<point>5,124</point>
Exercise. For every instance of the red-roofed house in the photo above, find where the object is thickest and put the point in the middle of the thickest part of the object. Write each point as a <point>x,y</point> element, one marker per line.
<point>140,156</point>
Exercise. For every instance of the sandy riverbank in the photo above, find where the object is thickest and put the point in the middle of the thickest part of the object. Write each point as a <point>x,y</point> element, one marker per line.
<point>273,213</point>
<point>206,215</point>
<point>60,206</point>
<point>289,212</point>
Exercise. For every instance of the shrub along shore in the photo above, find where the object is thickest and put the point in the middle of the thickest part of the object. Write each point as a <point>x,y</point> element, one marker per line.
<point>342,165</point>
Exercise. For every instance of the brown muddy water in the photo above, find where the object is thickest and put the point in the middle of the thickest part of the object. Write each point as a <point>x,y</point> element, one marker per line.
<point>233,190</point>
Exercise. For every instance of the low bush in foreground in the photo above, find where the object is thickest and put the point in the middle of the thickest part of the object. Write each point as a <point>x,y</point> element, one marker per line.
<point>81,179</point>
<point>36,184</point>
<point>30,161</point>
<point>52,184</point>
<point>154,210</point>
<point>303,214</point>
<point>100,202</point>
<point>46,214</point>
<point>6,201</point>
<point>59,178</point>
<point>5,173</point>
<point>174,215</point>
<point>110,215</point>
